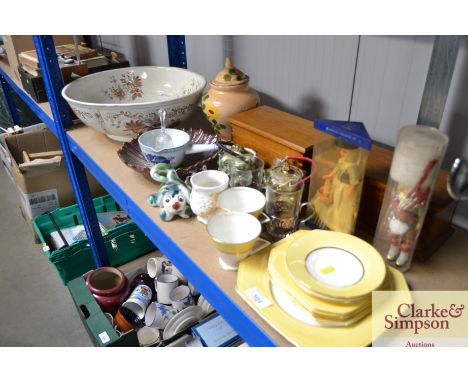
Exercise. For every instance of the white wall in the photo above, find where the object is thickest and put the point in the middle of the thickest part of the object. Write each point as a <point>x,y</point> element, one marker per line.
<point>312,76</point>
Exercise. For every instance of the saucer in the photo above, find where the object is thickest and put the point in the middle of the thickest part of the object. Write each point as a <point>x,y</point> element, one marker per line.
<point>182,320</point>
<point>334,265</point>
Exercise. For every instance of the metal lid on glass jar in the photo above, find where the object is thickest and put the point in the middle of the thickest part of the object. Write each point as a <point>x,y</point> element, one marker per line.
<point>284,176</point>
<point>229,76</point>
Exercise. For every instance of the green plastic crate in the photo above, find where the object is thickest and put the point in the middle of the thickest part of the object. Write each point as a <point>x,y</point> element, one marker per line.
<point>123,243</point>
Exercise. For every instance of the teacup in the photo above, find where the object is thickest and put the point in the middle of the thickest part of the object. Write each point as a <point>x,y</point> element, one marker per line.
<point>165,283</point>
<point>158,315</point>
<point>242,199</point>
<point>181,298</point>
<point>156,266</point>
<point>206,186</point>
<point>174,155</point>
<point>235,236</point>
<point>148,336</point>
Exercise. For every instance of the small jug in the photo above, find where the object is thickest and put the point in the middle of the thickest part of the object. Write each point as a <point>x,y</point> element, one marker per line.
<point>206,186</point>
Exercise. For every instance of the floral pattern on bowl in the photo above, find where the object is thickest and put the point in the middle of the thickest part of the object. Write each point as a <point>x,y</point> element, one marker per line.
<point>129,85</point>
<point>123,103</point>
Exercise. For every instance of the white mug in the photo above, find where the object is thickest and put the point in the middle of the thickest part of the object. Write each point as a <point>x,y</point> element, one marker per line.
<point>165,283</point>
<point>158,315</point>
<point>205,188</point>
<point>181,297</point>
<point>156,266</point>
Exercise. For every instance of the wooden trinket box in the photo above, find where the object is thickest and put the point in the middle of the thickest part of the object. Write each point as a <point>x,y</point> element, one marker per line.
<point>273,133</point>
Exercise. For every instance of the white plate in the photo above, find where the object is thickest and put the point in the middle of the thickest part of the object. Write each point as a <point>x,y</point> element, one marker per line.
<point>182,320</point>
<point>205,305</point>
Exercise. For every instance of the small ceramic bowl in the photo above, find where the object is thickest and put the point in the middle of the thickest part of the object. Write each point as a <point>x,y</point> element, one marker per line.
<point>242,199</point>
<point>174,155</point>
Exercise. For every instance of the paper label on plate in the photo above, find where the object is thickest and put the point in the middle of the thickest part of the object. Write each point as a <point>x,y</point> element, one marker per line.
<point>258,298</point>
<point>104,337</point>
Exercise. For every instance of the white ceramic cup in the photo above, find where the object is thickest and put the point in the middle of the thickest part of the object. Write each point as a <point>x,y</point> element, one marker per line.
<point>243,199</point>
<point>156,266</point>
<point>172,269</point>
<point>235,236</point>
<point>165,283</point>
<point>181,297</point>
<point>158,315</point>
<point>206,186</point>
<point>148,336</point>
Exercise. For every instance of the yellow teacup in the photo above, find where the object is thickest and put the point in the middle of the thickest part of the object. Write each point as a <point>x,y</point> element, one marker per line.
<point>242,199</point>
<point>235,236</point>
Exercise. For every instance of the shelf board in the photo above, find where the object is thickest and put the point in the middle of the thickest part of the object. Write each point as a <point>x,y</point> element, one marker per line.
<point>184,241</point>
<point>42,110</point>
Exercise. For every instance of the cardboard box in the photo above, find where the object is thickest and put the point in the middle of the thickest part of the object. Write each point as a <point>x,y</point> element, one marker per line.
<point>44,187</point>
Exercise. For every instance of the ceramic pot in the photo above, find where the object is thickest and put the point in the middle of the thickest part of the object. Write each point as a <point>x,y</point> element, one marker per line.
<point>109,287</point>
<point>229,94</point>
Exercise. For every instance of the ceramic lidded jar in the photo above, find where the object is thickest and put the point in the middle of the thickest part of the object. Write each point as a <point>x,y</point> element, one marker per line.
<point>229,94</point>
<point>109,287</point>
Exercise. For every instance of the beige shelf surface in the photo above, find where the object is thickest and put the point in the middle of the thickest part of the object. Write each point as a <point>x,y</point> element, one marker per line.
<point>445,270</point>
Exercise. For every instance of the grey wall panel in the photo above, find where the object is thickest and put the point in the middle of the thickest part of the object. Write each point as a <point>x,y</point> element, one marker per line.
<point>306,75</point>
<point>205,55</point>
<point>389,83</point>
<point>455,121</point>
<point>139,50</point>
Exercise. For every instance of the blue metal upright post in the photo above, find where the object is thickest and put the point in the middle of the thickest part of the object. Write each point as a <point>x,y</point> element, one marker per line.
<point>62,118</point>
<point>10,101</point>
<point>176,51</point>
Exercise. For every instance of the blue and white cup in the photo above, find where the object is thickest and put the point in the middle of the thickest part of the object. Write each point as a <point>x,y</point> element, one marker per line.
<point>181,298</point>
<point>158,315</point>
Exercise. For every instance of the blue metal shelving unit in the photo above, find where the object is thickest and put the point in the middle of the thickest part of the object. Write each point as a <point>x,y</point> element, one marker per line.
<point>77,160</point>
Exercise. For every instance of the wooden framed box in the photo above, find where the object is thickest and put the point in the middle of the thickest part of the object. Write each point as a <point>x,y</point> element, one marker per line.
<point>273,133</point>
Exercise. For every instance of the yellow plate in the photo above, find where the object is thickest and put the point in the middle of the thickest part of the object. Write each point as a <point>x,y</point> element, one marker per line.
<point>321,309</point>
<point>253,279</point>
<point>335,265</point>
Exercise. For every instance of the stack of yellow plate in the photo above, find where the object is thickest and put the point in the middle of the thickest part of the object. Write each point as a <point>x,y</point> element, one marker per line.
<point>319,287</point>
